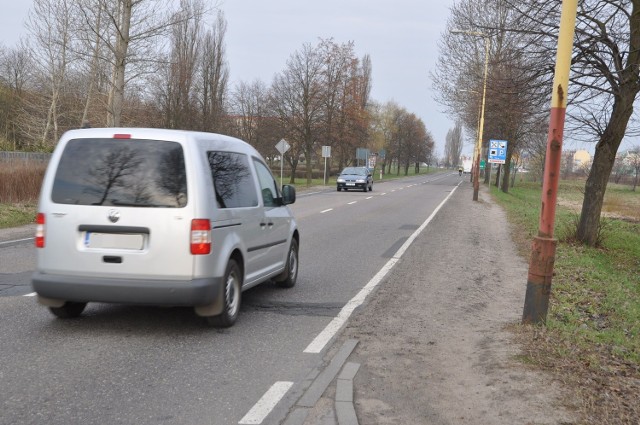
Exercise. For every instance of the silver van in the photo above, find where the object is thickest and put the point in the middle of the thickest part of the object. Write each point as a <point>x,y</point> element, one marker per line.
<point>160,217</point>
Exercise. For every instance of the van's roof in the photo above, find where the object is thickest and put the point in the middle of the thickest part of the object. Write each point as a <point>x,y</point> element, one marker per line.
<point>147,133</point>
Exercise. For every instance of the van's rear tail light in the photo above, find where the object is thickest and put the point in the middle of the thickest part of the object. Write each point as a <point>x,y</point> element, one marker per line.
<point>121,136</point>
<point>40,230</point>
<point>200,236</point>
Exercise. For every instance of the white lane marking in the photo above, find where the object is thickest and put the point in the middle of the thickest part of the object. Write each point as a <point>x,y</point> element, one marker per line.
<point>382,194</point>
<point>319,342</point>
<point>351,203</point>
<point>369,197</point>
<point>17,240</point>
<point>33,294</point>
<point>322,212</point>
<point>265,405</point>
<point>336,324</point>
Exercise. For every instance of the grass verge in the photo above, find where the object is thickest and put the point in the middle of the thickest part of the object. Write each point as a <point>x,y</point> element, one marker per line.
<point>592,338</point>
<point>16,215</point>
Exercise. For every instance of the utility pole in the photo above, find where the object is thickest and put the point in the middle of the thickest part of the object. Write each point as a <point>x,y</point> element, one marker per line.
<point>543,249</point>
<point>475,172</point>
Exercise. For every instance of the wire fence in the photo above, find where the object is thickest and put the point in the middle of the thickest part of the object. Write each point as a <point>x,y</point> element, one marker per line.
<point>6,156</point>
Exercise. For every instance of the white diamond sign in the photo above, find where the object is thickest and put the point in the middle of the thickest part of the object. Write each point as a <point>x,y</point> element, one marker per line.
<point>282,146</point>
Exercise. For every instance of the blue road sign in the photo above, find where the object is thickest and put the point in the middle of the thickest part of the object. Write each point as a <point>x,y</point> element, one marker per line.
<point>497,151</point>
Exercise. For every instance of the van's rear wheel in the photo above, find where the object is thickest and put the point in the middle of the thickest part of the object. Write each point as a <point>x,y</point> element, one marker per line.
<point>288,278</point>
<point>68,310</point>
<point>232,293</point>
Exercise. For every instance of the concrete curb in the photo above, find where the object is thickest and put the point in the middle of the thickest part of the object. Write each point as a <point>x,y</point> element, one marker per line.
<point>320,384</point>
<point>345,409</point>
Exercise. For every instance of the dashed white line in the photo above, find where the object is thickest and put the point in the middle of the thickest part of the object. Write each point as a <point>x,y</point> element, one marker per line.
<point>322,212</point>
<point>382,194</point>
<point>33,294</point>
<point>351,203</point>
<point>369,197</point>
<point>16,241</point>
<point>265,405</point>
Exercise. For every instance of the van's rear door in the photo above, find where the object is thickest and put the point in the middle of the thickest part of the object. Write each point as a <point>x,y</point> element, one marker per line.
<point>118,208</point>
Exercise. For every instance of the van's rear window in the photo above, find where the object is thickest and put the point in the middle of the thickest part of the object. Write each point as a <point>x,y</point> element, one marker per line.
<point>137,173</point>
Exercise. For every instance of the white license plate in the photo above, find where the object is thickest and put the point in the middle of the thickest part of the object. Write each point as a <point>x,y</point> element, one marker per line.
<point>113,240</point>
<point>351,184</point>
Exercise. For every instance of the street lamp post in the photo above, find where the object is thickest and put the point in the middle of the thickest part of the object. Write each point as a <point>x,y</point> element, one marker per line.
<point>478,148</point>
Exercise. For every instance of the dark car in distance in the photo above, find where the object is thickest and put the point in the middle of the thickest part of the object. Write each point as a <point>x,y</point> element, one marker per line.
<point>355,178</point>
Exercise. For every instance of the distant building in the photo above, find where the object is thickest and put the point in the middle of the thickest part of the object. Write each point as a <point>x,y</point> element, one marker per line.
<point>581,159</point>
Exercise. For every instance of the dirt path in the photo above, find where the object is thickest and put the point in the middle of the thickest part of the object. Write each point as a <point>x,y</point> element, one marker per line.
<point>433,342</point>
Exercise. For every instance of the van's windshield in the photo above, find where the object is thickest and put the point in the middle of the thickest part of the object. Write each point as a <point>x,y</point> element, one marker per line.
<point>140,173</point>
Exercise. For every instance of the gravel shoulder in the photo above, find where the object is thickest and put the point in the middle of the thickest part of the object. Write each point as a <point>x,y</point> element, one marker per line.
<point>434,340</point>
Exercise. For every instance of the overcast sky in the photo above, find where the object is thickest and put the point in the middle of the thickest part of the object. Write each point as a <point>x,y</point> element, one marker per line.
<point>400,36</point>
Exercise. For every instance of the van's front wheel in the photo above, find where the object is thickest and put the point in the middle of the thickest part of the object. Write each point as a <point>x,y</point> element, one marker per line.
<point>68,310</point>
<point>232,292</point>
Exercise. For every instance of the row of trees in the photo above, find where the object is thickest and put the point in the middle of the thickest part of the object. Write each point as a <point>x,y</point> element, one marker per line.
<point>523,37</point>
<point>149,64</point>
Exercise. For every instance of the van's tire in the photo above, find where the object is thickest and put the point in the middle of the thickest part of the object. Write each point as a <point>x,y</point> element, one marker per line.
<point>68,310</point>
<point>289,277</point>
<point>232,294</point>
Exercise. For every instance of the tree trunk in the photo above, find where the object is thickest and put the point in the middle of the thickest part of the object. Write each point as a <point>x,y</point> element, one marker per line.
<point>603,160</point>
<point>507,171</point>
<point>116,98</point>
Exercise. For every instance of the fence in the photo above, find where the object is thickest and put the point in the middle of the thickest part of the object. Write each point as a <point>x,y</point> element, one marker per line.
<point>24,156</point>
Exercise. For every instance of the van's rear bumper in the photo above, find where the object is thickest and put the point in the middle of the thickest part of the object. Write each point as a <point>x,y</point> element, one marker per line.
<point>195,292</point>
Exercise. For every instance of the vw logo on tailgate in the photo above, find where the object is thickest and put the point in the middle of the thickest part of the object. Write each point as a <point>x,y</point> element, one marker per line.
<point>114,215</point>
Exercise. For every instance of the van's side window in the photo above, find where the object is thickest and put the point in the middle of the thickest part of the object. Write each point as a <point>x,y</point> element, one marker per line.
<point>232,180</point>
<point>268,186</point>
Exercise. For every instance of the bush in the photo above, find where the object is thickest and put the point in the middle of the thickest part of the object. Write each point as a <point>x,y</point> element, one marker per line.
<point>20,181</point>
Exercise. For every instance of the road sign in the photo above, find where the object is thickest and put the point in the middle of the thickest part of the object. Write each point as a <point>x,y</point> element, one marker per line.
<point>497,151</point>
<point>326,151</point>
<point>282,146</point>
<point>372,160</point>
<point>482,164</point>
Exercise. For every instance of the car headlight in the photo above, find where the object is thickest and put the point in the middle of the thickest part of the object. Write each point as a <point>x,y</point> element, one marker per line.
<point>340,180</point>
<point>360,181</point>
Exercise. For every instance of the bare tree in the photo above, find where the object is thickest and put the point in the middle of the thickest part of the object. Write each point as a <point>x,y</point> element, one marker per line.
<point>453,145</point>
<point>634,159</point>
<point>604,82</point>
<point>133,37</point>
<point>251,117</point>
<point>297,100</point>
<point>514,89</point>
<point>178,100</point>
<point>50,24</point>
<point>214,76</point>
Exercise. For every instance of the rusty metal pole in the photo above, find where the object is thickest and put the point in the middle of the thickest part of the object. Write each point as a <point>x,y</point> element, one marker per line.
<point>543,250</point>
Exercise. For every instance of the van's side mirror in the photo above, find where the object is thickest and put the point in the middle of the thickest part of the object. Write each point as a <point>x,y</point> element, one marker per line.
<point>288,194</point>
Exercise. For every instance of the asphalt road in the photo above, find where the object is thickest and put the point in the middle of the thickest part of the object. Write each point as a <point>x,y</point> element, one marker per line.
<point>143,365</point>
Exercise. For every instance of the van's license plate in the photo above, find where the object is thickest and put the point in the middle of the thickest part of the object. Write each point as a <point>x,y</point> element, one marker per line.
<point>113,240</point>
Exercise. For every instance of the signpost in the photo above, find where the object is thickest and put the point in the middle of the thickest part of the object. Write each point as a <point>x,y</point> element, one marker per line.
<point>497,151</point>
<point>497,154</point>
<point>362,154</point>
<point>282,146</point>
<point>326,153</point>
